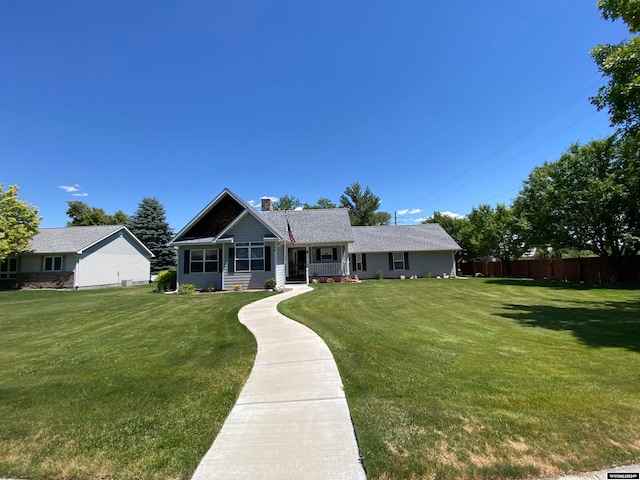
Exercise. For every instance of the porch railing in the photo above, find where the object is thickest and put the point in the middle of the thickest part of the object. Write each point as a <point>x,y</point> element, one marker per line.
<point>327,269</point>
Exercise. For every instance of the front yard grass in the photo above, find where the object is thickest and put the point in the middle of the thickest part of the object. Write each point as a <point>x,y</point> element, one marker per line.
<point>117,383</point>
<point>484,378</point>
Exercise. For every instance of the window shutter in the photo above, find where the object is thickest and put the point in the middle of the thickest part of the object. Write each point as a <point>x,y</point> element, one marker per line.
<point>353,262</point>
<point>391,261</point>
<point>267,259</point>
<point>334,254</point>
<point>406,260</point>
<point>187,260</point>
<point>232,259</point>
<point>220,260</point>
<point>364,262</point>
<point>318,253</point>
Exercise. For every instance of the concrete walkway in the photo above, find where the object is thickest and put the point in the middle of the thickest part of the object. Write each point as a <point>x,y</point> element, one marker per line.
<point>291,420</point>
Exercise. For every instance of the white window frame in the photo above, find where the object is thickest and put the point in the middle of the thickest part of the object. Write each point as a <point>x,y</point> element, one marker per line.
<point>255,261</point>
<point>326,254</point>
<point>204,260</point>
<point>9,268</point>
<point>358,265</point>
<point>398,264</point>
<point>52,267</point>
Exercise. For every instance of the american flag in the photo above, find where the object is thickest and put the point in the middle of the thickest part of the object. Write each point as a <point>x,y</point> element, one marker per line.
<point>291,237</point>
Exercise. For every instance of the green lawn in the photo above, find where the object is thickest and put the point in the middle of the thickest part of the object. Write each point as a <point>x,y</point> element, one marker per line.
<point>116,382</point>
<point>484,378</point>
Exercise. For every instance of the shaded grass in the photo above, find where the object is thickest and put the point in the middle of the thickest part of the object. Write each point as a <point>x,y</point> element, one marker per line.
<point>117,382</point>
<point>483,379</point>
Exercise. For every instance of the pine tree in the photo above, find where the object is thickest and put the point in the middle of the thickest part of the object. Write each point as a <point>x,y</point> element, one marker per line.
<point>149,224</point>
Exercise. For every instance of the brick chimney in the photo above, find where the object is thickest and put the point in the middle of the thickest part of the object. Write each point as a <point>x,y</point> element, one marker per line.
<point>267,204</point>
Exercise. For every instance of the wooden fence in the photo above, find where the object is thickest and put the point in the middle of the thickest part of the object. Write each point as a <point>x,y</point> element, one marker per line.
<point>587,270</point>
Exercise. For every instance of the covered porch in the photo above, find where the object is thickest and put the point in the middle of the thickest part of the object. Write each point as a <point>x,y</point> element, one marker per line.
<point>305,263</point>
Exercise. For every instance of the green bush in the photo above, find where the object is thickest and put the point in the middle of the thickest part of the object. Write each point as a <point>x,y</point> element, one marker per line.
<point>379,275</point>
<point>166,281</point>
<point>270,283</point>
<point>186,289</point>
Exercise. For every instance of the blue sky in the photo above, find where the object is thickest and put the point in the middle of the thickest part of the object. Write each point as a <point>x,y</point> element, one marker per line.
<point>433,105</point>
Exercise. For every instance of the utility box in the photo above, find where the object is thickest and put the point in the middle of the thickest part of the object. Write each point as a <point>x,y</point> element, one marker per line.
<point>127,283</point>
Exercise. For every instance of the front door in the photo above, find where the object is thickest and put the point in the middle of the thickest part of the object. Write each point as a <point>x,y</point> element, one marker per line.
<point>301,262</point>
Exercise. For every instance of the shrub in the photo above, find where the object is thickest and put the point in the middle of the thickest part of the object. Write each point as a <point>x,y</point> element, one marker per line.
<point>211,288</point>
<point>237,287</point>
<point>330,280</point>
<point>379,275</point>
<point>166,281</point>
<point>270,283</point>
<point>428,275</point>
<point>186,289</point>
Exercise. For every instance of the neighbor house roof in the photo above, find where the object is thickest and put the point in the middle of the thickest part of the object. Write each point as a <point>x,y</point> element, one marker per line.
<point>75,239</point>
<point>315,226</point>
<point>404,238</point>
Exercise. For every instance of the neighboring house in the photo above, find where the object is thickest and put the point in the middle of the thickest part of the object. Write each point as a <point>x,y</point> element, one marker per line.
<point>80,257</point>
<point>403,250</point>
<point>231,243</point>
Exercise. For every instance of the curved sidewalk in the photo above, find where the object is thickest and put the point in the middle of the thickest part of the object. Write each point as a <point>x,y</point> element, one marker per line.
<point>291,420</point>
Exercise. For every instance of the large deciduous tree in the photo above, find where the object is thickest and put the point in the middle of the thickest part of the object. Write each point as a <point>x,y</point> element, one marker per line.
<point>150,226</point>
<point>287,202</point>
<point>19,222</point>
<point>620,64</point>
<point>322,203</point>
<point>363,206</point>
<point>454,226</point>
<point>82,214</point>
<point>498,232</point>
<point>589,199</point>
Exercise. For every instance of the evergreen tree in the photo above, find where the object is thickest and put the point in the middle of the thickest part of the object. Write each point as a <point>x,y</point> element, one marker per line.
<point>149,224</point>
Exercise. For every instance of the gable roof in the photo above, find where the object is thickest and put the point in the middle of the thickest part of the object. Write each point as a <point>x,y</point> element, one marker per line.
<point>76,239</point>
<point>404,238</point>
<point>315,226</point>
<point>232,208</point>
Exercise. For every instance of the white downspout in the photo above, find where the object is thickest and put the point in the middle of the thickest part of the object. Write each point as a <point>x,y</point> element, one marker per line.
<point>76,273</point>
<point>306,267</point>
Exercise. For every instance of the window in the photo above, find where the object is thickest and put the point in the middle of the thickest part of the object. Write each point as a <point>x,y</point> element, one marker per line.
<point>249,256</point>
<point>203,261</point>
<point>52,264</point>
<point>358,261</point>
<point>398,261</point>
<point>326,254</point>
<point>9,268</point>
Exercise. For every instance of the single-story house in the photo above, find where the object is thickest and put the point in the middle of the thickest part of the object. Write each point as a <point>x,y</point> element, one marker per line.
<point>80,257</point>
<point>232,243</point>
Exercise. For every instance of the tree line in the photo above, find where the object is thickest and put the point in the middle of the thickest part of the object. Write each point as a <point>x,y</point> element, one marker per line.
<point>588,199</point>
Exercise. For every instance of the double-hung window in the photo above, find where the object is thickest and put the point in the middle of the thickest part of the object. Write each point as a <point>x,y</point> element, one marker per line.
<point>358,265</point>
<point>203,261</point>
<point>52,264</point>
<point>398,260</point>
<point>249,256</point>
<point>9,268</point>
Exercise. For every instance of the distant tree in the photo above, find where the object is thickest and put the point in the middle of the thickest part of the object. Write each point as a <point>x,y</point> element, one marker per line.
<point>363,206</point>
<point>19,222</point>
<point>322,203</point>
<point>82,214</point>
<point>150,226</point>
<point>589,199</point>
<point>620,63</point>
<point>287,202</point>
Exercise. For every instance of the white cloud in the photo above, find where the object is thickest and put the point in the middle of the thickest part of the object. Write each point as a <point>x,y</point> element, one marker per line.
<point>402,212</point>
<point>414,211</point>
<point>452,215</point>
<point>83,194</point>
<point>420,220</point>
<point>252,203</point>
<point>69,188</point>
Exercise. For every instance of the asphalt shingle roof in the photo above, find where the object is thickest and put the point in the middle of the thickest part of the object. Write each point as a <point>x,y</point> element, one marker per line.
<point>315,226</point>
<point>404,238</point>
<point>69,239</point>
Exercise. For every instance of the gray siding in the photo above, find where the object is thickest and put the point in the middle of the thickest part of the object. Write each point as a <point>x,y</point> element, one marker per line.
<point>113,260</point>
<point>420,263</point>
<point>247,230</point>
